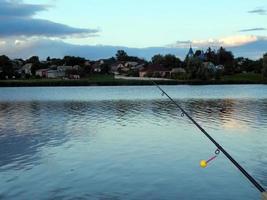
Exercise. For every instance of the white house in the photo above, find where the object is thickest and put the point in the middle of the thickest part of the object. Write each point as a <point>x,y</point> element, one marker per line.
<point>210,66</point>
<point>26,69</point>
<point>52,74</point>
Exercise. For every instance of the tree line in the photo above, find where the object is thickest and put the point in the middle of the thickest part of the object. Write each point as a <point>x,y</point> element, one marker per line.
<point>195,65</point>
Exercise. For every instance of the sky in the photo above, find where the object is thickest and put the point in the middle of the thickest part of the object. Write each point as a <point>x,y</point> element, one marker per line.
<point>132,23</point>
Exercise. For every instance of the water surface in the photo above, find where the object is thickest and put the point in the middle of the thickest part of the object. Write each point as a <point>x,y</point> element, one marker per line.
<point>130,142</point>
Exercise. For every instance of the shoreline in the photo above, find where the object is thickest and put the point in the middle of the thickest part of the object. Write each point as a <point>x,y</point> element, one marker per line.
<point>119,82</point>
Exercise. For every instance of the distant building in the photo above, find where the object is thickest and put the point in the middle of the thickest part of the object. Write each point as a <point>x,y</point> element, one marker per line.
<point>209,65</point>
<point>190,53</point>
<point>64,68</point>
<point>42,73</point>
<point>178,71</point>
<point>52,74</point>
<point>26,69</point>
<point>219,67</point>
<point>155,71</point>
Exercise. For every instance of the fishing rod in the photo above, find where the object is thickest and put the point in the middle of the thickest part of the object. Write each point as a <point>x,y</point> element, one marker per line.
<point>219,147</point>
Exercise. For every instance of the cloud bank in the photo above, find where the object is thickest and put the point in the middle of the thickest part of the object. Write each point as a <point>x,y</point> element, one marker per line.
<point>253,48</point>
<point>230,41</point>
<point>17,19</point>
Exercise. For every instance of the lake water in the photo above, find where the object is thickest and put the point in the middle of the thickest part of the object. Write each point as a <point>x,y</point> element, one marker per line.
<point>131,142</point>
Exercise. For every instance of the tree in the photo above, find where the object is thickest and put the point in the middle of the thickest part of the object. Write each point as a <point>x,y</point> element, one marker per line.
<point>157,59</point>
<point>226,59</point>
<point>197,53</point>
<point>35,64</point>
<point>211,56</point>
<point>121,55</point>
<point>264,69</point>
<point>168,61</point>
<point>171,61</point>
<point>33,59</point>
<point>7,67</point>
<point>72,60</point>
<point>193,66</point>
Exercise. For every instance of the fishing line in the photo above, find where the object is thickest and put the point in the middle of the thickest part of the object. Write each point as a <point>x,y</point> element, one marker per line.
<point>220,148</point>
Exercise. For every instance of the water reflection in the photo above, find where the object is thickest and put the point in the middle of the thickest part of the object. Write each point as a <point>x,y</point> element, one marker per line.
<point>80,138</point>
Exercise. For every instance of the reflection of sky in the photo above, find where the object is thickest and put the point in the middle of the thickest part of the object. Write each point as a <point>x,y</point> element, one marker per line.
<point>137,143</point>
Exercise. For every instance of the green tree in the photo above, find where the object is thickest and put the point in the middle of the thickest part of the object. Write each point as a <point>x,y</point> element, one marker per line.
<point>72,60</point>
<point>35,64</point>
<point>264,69</point>
<point>211,56</point>
<point>33,59</point>
<point>157,59</point>
<point>7,67</point>
<point>226,59</point>
<point>121,55</point>
<point>193,66</point>
<point>171,61</point>
<point>168,61</point>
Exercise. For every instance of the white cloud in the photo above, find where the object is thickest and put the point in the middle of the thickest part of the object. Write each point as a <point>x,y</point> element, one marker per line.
<point>2,43</point>
<point>230,41</point>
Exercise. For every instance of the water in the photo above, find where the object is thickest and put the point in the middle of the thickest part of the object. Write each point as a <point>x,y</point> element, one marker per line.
<point>130,142</point>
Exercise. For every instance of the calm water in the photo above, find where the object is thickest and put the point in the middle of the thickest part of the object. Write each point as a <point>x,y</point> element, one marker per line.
<point>130,142</point>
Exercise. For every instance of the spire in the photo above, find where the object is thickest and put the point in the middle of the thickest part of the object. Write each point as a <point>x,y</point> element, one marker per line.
<point>191,52</point>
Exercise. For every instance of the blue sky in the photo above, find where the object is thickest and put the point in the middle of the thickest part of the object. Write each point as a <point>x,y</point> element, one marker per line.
<point>143,23</point>
<point>134,23</point>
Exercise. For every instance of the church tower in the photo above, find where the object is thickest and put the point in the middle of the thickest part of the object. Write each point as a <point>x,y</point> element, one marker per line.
<point>190,53</point>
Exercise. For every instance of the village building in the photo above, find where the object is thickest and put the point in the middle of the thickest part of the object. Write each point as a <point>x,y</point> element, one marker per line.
<point>155,71</point>
<point>190,53</point>
<point>42,73</point>
<point>26,69</point>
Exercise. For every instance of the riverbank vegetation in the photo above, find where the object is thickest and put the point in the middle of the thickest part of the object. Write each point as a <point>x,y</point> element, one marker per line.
<point>199,67</point>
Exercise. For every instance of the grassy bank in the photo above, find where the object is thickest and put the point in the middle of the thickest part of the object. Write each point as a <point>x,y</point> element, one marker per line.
<point>108,80</point>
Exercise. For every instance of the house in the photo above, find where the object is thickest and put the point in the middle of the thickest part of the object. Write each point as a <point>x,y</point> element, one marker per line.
<point>64,68</point>
<point>219,68</point>
<point>26,69</point>
<point>61,70</point>
<point>42,73</point>
<point>96,67</point>
<point>87,63</point>
<point>114,68</point>
<point>138,67</point>
<point>209,66</point>
<point>130,64</point>
<point>178,73</point>
<point>52,74</point>
<point>155,71</point>
<point>76,67</point>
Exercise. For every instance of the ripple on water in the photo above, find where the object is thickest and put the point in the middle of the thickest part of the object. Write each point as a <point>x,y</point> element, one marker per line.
<point>123,149</point>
